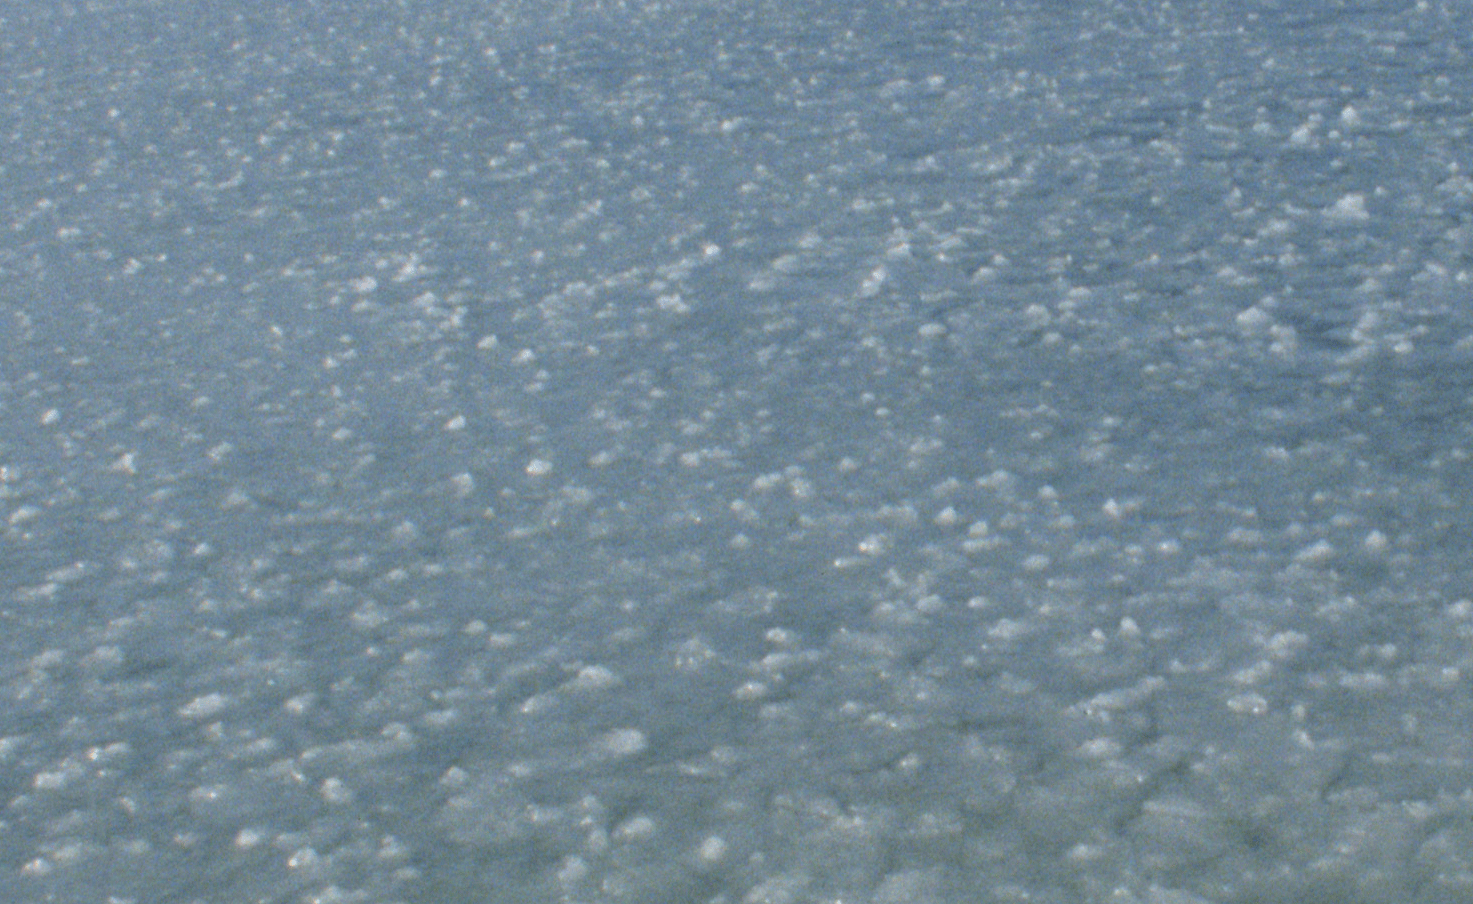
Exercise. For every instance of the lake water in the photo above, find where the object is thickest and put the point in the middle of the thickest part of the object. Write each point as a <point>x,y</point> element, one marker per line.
<point>736,453</point>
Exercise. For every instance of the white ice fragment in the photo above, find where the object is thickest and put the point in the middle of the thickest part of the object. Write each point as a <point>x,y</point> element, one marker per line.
<point>396,735</point>
<point>218,452</point>
<point>1284,340</point>
<point>391,849</point>
<point>410,269</point>
<point>572,870</point>
<point>334,894</point>
<point>801,488</point>
<point>1375,542</point>
<point>782,888</point>
<point>248,838</point>
<point>537,703</point>
<point>751,690</point>
<point>1364,681</point>
<point>636,828</point>
<point>1008,629</point>
<point>911,886</point>
<point>1248,704</point>
<point>336,791</point>
<point>1316,553</point>
<point>1253,320</point>
<point>1037,316</point>
<point>1367,327</point>
<point>304,858</point>
<point>1158,895</point>
<point>463,484</point>
<point>456,423</point>
<point>48,659</point>
<point>895,88</point>
<point>204,706</point>
<point>781,637</point>
<point>539,467</point>
<point>693,654</point>
<point>104,657</point>
<point>1124,698</point>
<point>51,781</point>
<point>711,851</point>
<point>1285,644</point>
<point>1036,562</point>
<point>441,718</point>
<point>299,704</point>
<point>1099,749</point>
<point>593,678</point>
<point>1243,536</point>
<point>1349,209</point>
<point>215,796</point>
<point>622,742</point>
<point>1254,673</point>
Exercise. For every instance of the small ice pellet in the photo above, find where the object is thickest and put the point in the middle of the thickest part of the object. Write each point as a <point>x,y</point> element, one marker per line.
<point>1315,553</point>
<point>204,706</point>
<point>625,742</point>
<point>637,828</point>
<point>336,791</point>
<point>594,677</point>
<point>712,850</point>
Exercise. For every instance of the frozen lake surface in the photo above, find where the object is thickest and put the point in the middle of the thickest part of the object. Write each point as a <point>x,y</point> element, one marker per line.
<point>736,453</point>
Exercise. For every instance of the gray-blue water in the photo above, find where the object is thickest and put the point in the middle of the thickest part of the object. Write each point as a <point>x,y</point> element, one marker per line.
<point>736,453</point>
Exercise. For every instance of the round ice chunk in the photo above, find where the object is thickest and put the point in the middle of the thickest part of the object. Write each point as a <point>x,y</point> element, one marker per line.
<point>622,742</point>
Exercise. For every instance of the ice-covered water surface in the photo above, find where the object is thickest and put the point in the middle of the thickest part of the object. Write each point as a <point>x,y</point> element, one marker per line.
<point>736,453</point>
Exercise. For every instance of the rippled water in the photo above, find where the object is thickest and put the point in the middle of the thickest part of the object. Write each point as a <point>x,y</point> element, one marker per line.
<point>727,453</point>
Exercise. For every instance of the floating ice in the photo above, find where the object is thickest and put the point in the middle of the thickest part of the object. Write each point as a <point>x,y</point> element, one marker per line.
<point>622,742</point>
<point>659,454</point>
<point>1350,208</point>
<point>205,706</point>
